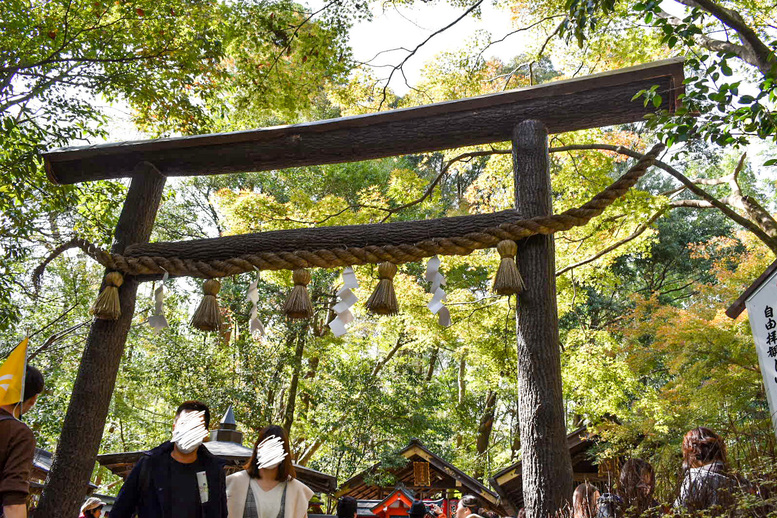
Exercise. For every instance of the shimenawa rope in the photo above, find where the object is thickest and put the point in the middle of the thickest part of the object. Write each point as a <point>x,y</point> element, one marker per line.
<point>351,256</point>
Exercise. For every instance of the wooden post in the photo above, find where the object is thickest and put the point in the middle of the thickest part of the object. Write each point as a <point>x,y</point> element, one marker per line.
<point>82,429</point>
<point>547,468</point>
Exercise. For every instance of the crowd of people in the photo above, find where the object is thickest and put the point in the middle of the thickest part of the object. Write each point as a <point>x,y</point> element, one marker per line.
<point>182,479</point>
<point>706,485</point>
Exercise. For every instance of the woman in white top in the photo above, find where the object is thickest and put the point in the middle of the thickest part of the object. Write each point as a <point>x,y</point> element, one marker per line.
<point>267,487</point>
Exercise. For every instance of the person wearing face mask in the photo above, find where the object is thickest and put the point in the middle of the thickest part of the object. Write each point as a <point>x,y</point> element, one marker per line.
<point>179,478</point>
<point>267,487</point>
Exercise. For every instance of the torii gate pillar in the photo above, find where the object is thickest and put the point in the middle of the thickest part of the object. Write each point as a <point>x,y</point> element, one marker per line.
<point>82,429</point>
<point>546,464</point>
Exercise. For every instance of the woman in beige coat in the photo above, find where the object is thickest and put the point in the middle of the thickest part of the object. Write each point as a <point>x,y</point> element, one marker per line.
<point>267,487</point>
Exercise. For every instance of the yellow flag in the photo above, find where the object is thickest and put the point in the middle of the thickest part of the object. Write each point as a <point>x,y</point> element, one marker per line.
<point>12,375</point>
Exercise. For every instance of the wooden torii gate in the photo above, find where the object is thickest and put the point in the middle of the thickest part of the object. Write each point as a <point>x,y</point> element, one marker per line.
<point>524,116</point>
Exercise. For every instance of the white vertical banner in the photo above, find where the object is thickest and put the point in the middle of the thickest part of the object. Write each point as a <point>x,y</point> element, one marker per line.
<point>762,312</point>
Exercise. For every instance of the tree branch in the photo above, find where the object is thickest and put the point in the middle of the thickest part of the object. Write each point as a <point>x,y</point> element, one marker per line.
<point>384,95</point>
<point>637,232</point>
<point>443,171</point>
<point>297,28</point>
<point>688,183</point>
<point>733,178</point>
<point>710,43</point>
<point>56,337</point>
<point>692,204</point>
<point>526,28</point>
<point>550,37</point>
<point>382,363</point>
<point>60,317</point>
<point>760,54</point>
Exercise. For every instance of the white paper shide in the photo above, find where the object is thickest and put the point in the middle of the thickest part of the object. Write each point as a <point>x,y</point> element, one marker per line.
<point>255,325</point>
<point>347,300</point>
<point>437,304</point>
<point>157,320</point>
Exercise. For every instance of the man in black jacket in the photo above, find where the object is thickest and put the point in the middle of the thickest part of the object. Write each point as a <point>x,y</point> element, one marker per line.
<point>177,479</point>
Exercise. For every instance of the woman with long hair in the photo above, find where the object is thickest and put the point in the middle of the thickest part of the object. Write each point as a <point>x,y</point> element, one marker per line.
<point>267,487</point>
<point>584,501</point>
<point>637,482</point>
<point>706,482</point>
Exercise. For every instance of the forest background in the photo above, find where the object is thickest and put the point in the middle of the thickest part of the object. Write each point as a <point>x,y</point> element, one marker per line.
<point>647,352</point>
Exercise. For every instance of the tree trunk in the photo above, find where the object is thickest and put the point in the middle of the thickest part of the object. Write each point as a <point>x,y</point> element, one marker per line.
<point>382,363</point>
<point>288,417</point>
<point>309,452</point>
<point>462,379</point>
<point>310,375</point>
<point>515,431</point>
<point>484,433</point>
<point>83,426</point>
<point>486,423</point>
<point>432,364</point>
<point>547,469</point>
<point>759,215</point>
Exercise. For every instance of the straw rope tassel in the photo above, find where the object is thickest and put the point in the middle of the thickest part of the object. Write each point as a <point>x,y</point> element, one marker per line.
<point>508,280</point>
<point>208,317</point>
<point>383,300</point>
<point>107,306</point>
<point>298,304</point>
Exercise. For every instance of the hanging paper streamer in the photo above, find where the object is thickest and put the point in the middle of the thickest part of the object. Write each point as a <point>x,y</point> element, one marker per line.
<point>437,304</point>
<point>347,299</point>
<point>255,325</point>
<point>157,321</point>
